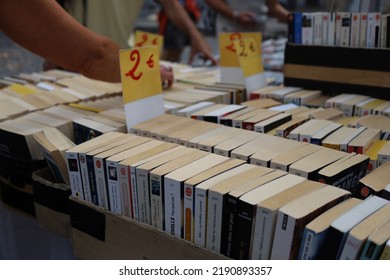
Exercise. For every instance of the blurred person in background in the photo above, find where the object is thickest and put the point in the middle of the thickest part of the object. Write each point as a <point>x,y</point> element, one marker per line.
<point>246,15</point>
<point>175,39</point>
<point>46,29</point>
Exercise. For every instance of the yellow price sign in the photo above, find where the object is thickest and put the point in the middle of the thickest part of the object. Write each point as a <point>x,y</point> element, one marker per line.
<point>227,48</point>
<point>145,39</point>
<point>140,73</point>
<point>249,56</point>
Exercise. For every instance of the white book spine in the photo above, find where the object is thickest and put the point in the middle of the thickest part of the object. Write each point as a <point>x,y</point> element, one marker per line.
<point>124,191</point>
<point>307,29</point>
<point>355,29</point>
<point>278,166</point>
<point>331,30</point>
<point>343,26</point>
<point>156,201</point>
<point>114,191</point>
<point>84,177</point>
<point>264,227</point>
<point>143,194</point>
<point>172,206</point>
<point>134,195</point>
<point>214,221</point>
<point>200,217</point>
<point>76,186</point>
<point>284,233</point>
<point>373,30</point>
<point>101,182</point>
<point>317,28</point>
<point>188,212</point>
<point>383,29</point>
<point>351,248</point>
<point>237,123</point>
<point>363,30</point>
<point>325,28</point>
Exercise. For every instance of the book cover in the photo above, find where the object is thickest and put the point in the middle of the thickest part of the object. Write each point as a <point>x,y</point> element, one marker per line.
<point>201,202</point>
<point>266,214</point>
<point>359,234</point>
<point>307,28</point>
<point>229,226</point>
<point>246,210</point>
<point>340,227</point>
<point>189,193</point>
<point>174,187</point>
<point>157,187</point>
<point>315,232</point>
<point>294,216</point>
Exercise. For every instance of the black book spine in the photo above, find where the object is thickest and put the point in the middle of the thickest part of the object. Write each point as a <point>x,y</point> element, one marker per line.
<point>245,214</point>
<point>92,179</point>
<point>229,221</point>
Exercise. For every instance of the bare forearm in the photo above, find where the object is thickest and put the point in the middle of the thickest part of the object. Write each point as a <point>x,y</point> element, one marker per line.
<point>44,28</point>
<point>277,10</point>
<point>221,7</point>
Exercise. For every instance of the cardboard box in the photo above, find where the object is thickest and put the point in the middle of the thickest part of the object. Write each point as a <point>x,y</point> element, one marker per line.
<point>100,234</point>
<point>51,202</point>
<point>338,69</point>
<point>16,183</point>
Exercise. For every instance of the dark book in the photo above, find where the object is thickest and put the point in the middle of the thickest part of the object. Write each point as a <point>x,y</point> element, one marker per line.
<point>340,227</point>
<point>345,173</point>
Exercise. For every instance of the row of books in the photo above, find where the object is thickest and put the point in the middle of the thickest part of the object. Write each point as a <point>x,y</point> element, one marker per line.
<point>364,30</point>
<point>327,127</point>
<point>27,93</point>
<point>205,198</point>
<point>349,104</point>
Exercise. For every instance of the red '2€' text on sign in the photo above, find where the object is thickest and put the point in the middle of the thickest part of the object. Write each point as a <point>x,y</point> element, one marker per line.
<point>140,73</point>
<point>227,48</point>
<point>145,39</point>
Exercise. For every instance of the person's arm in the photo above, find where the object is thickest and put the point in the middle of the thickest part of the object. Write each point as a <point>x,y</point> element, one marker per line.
<point>277,10</point>
<point>44,28</point>
<point>179,17</point>
<point>246,18</point>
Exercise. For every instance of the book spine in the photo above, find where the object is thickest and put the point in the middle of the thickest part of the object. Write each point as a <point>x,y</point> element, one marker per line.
<point>200,217</point>
<point>142,176</point>
<point>351,248</point>
<point>226,122</point>
<point>363,30</point>
<point>188,212</point>
<point>284,233</point>
<point>307,29</point>
<point>307,240</point>
<point>298,27</point>
<point>355,29</point>
<point>101,185</point>
<point>75,180</point>
<point>114,189</point>
<point>265,223</point>
<point>248,125</point>
<point>229,229</point>
<point>237,123</point>
<point>156,201</point>
<point>134,194</point>
<point>214,221</point>
<point>122,191</point>
<point>92,180</point>
<point>172,202</point>
<point>245,223</point>
<point>325,27</point>
<point>331,29</point>
<point>84,177</point>
<point>333,240</point>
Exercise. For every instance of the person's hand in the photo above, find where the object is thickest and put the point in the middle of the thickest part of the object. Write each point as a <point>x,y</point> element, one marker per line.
<point>166,73</point>
<point>200,46</point>
<point>245,18</point>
